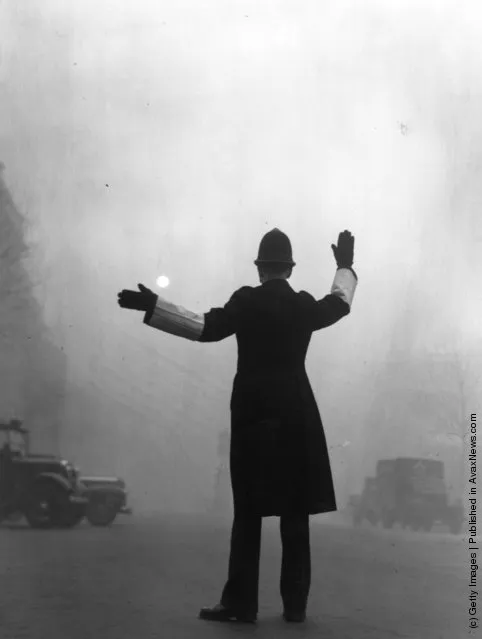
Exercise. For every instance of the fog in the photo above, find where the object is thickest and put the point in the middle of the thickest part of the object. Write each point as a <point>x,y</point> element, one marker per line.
<point>149,138</point>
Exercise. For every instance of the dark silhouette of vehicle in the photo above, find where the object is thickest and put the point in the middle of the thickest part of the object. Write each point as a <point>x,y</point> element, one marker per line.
<point>48,491</point>
<point>107,498</point>
<point>408,491</point>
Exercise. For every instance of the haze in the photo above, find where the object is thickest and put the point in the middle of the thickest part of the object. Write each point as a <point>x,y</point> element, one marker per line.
<point>164,138</point>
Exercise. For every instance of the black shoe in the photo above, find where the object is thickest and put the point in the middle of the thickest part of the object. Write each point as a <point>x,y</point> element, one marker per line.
<point>295,616</point>
<point>220,613</point>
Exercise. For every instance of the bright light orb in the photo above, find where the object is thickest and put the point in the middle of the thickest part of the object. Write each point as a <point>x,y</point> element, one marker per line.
<point>162,281</point>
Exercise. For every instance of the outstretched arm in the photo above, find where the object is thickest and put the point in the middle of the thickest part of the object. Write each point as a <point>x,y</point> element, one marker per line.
<point>337,304</point>
<point>174,319</point>
<point>344,284</point>
<point>213,326</point>
<point>163,315</point>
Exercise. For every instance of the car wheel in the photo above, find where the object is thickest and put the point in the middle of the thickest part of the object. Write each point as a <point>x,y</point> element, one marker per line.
<point>43,505</point>
<point>100,513</point>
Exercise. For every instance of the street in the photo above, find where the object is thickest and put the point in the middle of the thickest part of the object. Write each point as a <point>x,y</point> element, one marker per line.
<point>147,576</point>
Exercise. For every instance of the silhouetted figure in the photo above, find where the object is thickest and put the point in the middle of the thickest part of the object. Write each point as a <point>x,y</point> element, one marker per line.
<point>278,455</point>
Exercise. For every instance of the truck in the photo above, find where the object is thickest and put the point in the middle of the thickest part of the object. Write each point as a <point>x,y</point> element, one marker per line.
<point>408,491</point>
<point>48,491</point>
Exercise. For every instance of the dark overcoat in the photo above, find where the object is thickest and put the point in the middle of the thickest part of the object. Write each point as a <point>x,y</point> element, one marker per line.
<point>278,456</point>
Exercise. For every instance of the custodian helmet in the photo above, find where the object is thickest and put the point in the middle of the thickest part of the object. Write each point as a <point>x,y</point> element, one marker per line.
<point>275,246</point>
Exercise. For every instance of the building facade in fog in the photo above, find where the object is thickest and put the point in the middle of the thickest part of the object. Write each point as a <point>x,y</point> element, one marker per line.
<point>32,368</point>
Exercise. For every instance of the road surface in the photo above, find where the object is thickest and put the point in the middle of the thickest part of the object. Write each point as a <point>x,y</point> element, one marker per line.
<point>147,576</point>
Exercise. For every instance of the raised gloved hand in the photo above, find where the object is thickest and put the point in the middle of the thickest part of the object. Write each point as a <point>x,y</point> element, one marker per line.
<point>344,251</point>
<point>143,301</point>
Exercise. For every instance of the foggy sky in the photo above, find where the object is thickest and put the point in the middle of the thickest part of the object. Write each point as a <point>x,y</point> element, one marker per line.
<point>167,137</point>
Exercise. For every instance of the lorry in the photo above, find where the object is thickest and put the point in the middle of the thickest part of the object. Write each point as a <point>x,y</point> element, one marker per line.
<point>408,491</point>
<point>49,491</point>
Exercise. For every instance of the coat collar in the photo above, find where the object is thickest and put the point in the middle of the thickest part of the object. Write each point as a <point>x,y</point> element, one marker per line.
<point>276,283</point>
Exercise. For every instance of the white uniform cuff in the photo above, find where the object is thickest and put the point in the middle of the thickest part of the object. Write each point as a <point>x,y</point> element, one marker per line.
<point>176,320</point>
<point>344,285</point>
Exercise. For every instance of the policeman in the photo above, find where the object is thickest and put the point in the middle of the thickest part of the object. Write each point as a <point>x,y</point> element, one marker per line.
<point>278,454</point>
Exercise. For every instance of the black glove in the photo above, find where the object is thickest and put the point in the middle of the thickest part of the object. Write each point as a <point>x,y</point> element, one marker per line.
<point>344,251</point>
<point>143,301</point>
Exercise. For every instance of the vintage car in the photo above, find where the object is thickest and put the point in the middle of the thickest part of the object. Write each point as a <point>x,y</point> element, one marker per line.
<point>48,490</point>
<point>408,491</point>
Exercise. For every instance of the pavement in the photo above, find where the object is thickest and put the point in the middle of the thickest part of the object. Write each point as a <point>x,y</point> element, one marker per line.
<point>147,576</point>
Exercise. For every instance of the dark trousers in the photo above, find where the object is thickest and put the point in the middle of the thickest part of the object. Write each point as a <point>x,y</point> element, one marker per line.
<point>241,589</point>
